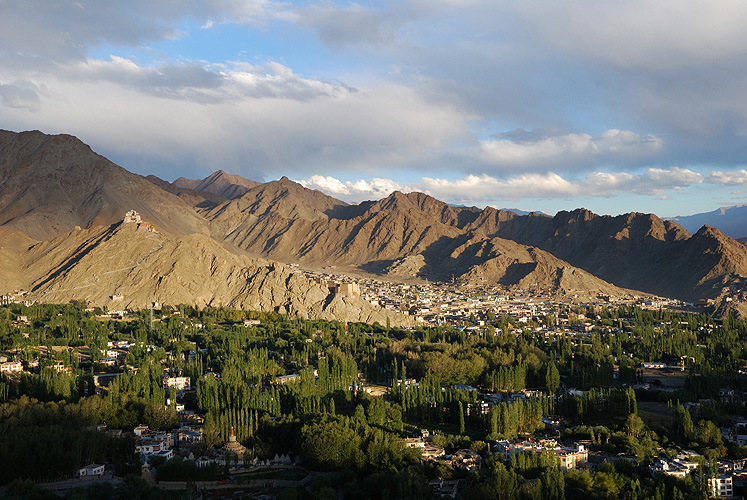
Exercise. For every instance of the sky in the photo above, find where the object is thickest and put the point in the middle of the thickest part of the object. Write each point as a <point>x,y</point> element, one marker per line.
<point>614,106</point>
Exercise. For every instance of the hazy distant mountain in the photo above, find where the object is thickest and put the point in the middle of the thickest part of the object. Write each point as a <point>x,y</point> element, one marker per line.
<point>226,185</point>
<point>732,221</point>
<point>517,211</point>
<point>49,184</point>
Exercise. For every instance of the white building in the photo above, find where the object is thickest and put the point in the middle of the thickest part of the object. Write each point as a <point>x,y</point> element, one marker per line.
<point>93,470</point>
<point>132,216</point>
<point>11,367</point>
<point>721,486</point>
<point>178,383</point>
<point>669,467</point>
<point>572,458</point>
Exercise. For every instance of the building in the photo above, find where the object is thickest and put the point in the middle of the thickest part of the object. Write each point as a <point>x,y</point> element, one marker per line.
<point>569,458</point>
<point>572,458</point>
<point>446,487</point>
<point>466,459</point>
<point>721,486</point>
<point>432,452</point>
<point>178,383</point>
<point>414,442</point>
<point>93,470</point>
<point>668,467</point>
<point>285,379</point>
<point>345,289</point>
<point>233,447</point>
<point>186,435</point>
<point>132,217</point>
<point>11,367</point>
<point>166,454</point>
<point>151,443</point>
<point>738,433</point>
<point>150,447</point>
<point>654,365</point>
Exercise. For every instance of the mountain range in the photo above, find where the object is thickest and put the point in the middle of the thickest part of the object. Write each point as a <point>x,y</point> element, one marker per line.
<point>227,240</point>
<point>732,221</point>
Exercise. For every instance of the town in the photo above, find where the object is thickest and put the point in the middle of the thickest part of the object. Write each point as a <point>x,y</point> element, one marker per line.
<point>549,396</point>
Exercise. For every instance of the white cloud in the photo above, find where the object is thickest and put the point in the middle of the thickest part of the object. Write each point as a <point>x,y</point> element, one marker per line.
<point>201,82</point>
<point>42,32</point>
<point>354,191</point>
<point>251,119</point>
<point>552,149</point>
<point>640,34</point>
<point>20,95</point>
<point>486,189</point>
<point>652,181</point>
<point>733,178</point>
<point>351,24</point>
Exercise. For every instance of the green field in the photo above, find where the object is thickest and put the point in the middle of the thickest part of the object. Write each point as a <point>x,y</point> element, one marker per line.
<point>654,413</point>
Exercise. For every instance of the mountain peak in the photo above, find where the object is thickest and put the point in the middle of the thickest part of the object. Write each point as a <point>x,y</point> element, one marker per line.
<point>54,183</point>
<point>709,232</point>
<point>220,183</point>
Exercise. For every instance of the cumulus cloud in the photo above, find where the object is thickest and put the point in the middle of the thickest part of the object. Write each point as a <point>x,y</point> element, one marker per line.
<point>486,189</point>
<point>551,148</point>
<point>732,178</point>
<point>354,191</point>
<point>206,83</point>
<point>653,181</point>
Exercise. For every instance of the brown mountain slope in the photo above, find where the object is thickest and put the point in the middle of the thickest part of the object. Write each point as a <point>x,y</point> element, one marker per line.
<point>228,186</point>
<point>50,184</point>
<point>402,235</point>
<point>13,246</point>
<point>477,259</point>
<point>285,221</point>
<point>126,267</point>
<point>406,235</point>
<point>639,251</point>
<point>709,264</point>
<point>193,197</point>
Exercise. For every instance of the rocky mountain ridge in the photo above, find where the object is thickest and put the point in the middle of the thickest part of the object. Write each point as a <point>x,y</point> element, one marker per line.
<point>219,183</point>
<point>49,185</point>
<point>128,266</point>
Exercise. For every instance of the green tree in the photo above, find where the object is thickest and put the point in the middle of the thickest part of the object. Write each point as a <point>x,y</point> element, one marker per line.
<point>552,378</point>
<point>461,418</point>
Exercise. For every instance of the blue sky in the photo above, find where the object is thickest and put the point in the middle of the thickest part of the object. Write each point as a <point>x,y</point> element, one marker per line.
<point>615,106</point>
